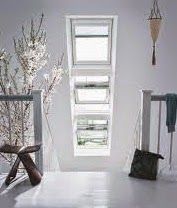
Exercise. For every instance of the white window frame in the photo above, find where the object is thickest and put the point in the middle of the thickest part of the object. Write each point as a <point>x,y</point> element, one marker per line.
<point>91,152</point>
<point>91,69</point>
<point>97,86</point>
<point>90,22</point>
<point>104,127</point>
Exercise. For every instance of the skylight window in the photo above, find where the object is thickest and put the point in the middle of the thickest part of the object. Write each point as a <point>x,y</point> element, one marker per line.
<point>92,90</point>
<point>91,95</point>
<point>91,43</point>
<point>91,48</point>
<point>92,133</point>
<point>92,139</point>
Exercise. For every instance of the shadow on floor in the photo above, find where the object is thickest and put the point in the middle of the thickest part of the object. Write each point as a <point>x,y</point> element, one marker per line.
<point>8,194</point>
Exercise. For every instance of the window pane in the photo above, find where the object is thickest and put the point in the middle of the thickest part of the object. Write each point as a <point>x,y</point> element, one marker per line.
<point>93,124</point>
<point>91,43</point>
<point>92,139</point>
<point>92,95</point>
<point>96,30</point>
<point>91,49</point>
<point>92,133</point>
<point>86,122</point>
<point>92,89</point>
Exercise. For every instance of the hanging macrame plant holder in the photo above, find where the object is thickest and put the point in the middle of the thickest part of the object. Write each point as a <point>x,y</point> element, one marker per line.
<point>155,20</point>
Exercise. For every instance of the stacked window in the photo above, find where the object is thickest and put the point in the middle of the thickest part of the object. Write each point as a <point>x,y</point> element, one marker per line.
<point>92,90</point>
<point>92,133</point>
<point>91,43</point>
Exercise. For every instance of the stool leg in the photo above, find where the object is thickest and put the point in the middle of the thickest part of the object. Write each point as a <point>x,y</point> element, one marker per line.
<point>30,149</point>
<point>13,172</point>
<point>33,172</point>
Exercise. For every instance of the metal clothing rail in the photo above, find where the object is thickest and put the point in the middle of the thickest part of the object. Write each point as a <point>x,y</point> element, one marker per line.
<point>158,97</point>
<point>146,99</point>
<point>161,98</point>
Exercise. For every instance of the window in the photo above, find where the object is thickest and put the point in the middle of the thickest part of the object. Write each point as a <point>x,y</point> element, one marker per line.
<point>92,133</point>
<point>88,94</point>
<point>92,90</point>
<point>91,43</point>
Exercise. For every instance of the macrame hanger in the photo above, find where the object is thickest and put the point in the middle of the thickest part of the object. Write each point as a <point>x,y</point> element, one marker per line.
<point>155,23</point>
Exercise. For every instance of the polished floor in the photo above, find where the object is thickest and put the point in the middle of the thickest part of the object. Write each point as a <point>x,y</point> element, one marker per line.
<point>87,190</point>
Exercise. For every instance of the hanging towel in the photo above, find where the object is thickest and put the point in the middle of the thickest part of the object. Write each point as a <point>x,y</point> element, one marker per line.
<point>171,103</point>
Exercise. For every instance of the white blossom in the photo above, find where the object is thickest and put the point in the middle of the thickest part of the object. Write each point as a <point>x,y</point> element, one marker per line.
<point>34,56</point>
<point>46,77</point>
<point>8,85</point>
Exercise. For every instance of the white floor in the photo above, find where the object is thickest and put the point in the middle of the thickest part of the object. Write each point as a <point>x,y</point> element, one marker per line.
<point>87,190</point>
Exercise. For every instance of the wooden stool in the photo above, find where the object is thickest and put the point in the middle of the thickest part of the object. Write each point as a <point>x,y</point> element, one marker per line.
<point>22,156</point>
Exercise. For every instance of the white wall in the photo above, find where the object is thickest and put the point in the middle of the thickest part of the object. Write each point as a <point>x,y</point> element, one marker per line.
<point>133,70</point>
